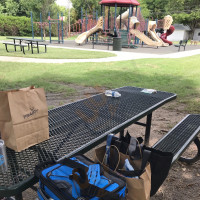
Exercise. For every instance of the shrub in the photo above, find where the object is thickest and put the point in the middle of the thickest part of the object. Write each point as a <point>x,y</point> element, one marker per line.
<point>16,26</point>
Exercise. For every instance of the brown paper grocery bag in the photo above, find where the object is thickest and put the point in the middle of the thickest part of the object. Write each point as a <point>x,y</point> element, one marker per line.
<point>138,188</point>
<point>23,117</point>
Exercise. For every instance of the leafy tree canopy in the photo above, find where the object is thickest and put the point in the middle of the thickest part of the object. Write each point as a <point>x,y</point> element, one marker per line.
<point>24,7</point>
<point>87,5</point>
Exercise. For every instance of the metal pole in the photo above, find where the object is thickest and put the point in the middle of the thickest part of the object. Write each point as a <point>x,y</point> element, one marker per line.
<point>135,24</point>
<point>41,26</point>
<point>129,17</point>
<point>96,20</point>
<point>69,18</point>
<point>86,20</point>
<point>120,17</point>
<point>147,22</point>
<point>32,25</point>
<point>148,129</point>
<point>58,28</point>
<point>108,17</point>
<point>81,19</point>
<point>93,40</point>
<point>62,28</point>
<point>132,11</point>
<point>86,23</point>
<point>115,19</point>
<point>103,18</point>
<point>136,11</point>
<point>49,27</point>
<point>93,17</point>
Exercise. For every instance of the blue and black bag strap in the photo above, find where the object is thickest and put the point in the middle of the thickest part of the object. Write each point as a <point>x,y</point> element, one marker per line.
<point>135,148</point>
<point>88,190</point>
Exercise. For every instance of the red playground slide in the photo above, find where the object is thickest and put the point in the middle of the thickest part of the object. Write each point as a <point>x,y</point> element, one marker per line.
<point>169,32</point>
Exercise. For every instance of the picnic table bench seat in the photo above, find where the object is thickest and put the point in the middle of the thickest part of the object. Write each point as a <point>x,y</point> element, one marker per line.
<point>180,137</point>
<point>35,43</point>
<point>182,43</point>
<point>108,41</point>
<point>15,44</point>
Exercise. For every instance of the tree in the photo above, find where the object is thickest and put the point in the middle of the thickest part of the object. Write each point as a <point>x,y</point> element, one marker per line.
<point>191,19</point>
<point>155,9</point>
<point>1,8</point>
<point>88,5</point>
<point>24,7</point>
<point>186,12</point>
<point>45,7</point>
<point>12,7</point>
<point>30,6</point>
<point>37,6</point>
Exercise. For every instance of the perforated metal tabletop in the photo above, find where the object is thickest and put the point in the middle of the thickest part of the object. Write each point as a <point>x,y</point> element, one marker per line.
<point>78,127</point>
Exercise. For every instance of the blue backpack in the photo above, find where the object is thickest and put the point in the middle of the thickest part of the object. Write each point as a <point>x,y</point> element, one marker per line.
<point>78,178</point>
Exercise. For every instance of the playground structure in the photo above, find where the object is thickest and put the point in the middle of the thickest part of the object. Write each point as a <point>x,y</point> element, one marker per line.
<point>58,22</point>
<point>151,30</point>
<point>134,28</point>
<point>81,38</point>
<point>44,27</point>
<point>131,22</point>
<point>166,26</point>
<point>127,24</point>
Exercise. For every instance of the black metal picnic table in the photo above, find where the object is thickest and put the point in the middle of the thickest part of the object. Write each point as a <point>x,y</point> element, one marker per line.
<point>31,40</point>
<point>78,127</point>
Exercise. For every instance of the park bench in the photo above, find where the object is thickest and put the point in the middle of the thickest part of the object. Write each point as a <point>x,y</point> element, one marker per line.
<point>15,45</point>
<point>180,137</point>
<point>182,43</point>
<point>34,45</point>
<point>107,41</point>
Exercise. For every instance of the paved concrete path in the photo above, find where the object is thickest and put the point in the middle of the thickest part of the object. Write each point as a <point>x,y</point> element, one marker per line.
<point>120,56</point>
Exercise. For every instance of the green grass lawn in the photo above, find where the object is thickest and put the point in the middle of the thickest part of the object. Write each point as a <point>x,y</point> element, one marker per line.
<point>54,53</point>
<point>180,76</point>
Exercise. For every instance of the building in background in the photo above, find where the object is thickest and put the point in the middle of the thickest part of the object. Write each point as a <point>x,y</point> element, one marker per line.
<point>181,33</point>
<point>196,34</point>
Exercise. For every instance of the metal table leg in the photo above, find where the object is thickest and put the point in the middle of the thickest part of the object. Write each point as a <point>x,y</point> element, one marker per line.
<point>32,47</point>
<point>93,41</point>
<point>148,129</point>
<point>14,45</point>
<point>21,48</point>
<point>6,47</point>
<point>37,47</point>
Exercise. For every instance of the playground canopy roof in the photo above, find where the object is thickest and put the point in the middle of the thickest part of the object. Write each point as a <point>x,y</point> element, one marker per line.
<point>120,3</point>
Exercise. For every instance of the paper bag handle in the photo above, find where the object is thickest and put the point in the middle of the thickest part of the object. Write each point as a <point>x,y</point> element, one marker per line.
<point>105,155</point>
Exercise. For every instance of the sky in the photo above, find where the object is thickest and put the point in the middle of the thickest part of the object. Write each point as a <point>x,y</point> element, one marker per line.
<point>65,3</point>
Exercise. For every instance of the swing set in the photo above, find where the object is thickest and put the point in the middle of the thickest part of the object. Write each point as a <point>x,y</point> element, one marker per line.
<point>52,24</point>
